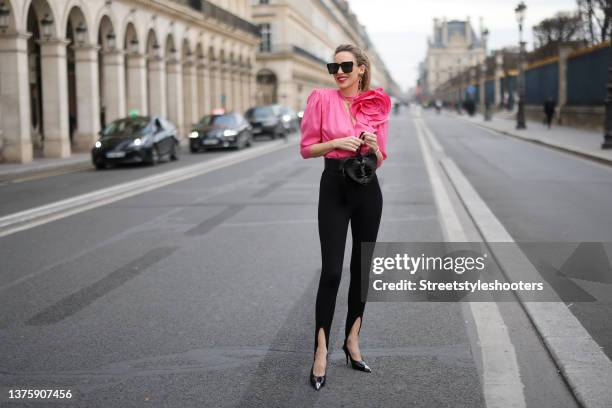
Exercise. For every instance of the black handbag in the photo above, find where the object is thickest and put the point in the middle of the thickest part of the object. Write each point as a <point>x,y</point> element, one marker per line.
<point>360,168</point>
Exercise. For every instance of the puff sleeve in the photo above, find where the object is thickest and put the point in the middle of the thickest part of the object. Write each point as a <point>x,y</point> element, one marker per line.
<point>311,123</point>
<point>381,138</point>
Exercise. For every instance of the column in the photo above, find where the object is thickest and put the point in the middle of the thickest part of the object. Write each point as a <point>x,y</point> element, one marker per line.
<point>137,83</point>
<point>15,98</point>
<point>481,86</point>
<point>190,95</point>
<point>114,85</point>
<point>55,98</point>
<point>499,72</point>
<point>564,53</point>
<point>202,89</point>
<point>244,86</point>
<point>175,94</point>
<point>208,87</point>
<point>217,86</point>
<point>157,87</point>
<point>236,97</point>
<point>88,97</point>
<point>226,87</point>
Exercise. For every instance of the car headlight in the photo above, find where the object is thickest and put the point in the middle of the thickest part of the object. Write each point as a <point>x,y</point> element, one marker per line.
<point>229,133</point>
<point>286,118</point>
<point>98,144</point>
<point>194,134</point>
<point>136,142</point>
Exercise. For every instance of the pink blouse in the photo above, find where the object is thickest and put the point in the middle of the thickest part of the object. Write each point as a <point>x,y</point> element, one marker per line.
<point>326,118</point>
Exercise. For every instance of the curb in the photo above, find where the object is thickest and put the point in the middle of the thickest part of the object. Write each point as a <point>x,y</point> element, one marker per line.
<point>11,175</point>
<point>584,366</point>
<point>30,218</point>
<point>579,153</point>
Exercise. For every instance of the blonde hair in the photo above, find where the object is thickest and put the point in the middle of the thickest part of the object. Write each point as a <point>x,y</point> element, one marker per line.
<point>362,59</point>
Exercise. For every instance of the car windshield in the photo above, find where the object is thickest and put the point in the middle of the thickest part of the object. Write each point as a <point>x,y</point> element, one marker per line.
<point>217,120</point>
<point>260,113</point>
<point>126,127</point>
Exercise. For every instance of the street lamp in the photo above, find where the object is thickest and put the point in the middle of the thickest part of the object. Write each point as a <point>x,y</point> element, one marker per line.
<point>520,18</point>
<point>5,12</point>
<point>46,23</point>
<point>483,92</point>
<point>81,32</point>
<point>607,144</point>
<point>110,39</point>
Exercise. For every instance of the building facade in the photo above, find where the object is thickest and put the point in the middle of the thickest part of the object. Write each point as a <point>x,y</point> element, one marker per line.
<point>67,67</point>
<point>453,47</point>
<point>298,38</point>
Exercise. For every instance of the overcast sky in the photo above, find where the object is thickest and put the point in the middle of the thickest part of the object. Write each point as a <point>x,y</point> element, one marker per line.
<point>399,28</point>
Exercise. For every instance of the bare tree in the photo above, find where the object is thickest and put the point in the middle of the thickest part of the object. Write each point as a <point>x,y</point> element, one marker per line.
<point>596,19</point>
<point>562,27</point>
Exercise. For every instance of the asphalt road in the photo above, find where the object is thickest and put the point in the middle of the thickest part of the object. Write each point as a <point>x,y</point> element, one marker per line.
<point>23,192</point>
<point>201,293</point>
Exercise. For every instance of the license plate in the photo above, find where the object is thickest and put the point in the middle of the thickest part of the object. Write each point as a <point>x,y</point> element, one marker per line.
<point>211,141</point>
<point>115,155</point>
<point>256,130</point>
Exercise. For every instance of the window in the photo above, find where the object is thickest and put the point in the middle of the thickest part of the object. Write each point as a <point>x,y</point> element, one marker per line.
<point>266,40</point>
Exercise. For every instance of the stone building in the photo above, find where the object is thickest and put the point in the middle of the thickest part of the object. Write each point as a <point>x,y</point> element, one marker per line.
<point>69,66</point>
<point>298,38</point>
<point>453,47</point>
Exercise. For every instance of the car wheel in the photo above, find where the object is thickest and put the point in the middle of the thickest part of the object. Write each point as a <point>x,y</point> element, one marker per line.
<point>153,156</point>
<point>249,141</point>
<point>174,153</point>
<point>100,166</point>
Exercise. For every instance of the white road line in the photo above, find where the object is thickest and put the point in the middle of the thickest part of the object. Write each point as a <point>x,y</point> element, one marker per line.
<point>585,367</point>
<point>502,385</point>
<point>27,219</point>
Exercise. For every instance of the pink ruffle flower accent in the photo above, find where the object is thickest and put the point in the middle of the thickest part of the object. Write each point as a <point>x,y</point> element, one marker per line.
<point>372,107</point>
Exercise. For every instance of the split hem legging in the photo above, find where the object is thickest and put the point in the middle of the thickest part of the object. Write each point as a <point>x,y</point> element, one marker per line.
<point>342,201</point>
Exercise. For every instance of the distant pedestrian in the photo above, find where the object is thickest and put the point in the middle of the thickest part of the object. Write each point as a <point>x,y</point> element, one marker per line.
<point>549,110</point>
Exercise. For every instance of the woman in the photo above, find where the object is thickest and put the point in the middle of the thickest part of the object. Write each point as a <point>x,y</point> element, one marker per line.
<point>332,121</point>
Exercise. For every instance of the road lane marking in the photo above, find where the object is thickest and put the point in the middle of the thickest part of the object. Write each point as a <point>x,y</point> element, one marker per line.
<point>585,367</point>
<point>205,226</point>
<point>502,385</point>
<point>27,219</point>
<point>82,298</point>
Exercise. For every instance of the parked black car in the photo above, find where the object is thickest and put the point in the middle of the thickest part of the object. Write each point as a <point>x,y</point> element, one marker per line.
<point>266,120</point>
<point>289,119</point>
<point>136,139</point>
<point>228,130</point>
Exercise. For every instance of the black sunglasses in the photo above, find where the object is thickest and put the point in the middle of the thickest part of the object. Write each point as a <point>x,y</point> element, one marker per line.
<point>347,67</point>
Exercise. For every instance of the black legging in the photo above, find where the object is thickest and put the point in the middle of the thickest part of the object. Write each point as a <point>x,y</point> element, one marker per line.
<point>341,201</point>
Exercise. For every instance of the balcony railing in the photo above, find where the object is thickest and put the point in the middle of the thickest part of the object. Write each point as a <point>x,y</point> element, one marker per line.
<point>290,48</point>
<point>213,11</point>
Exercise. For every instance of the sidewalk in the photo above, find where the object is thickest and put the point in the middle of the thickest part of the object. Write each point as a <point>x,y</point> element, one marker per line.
<point>9,171</point>
<point>585,143</point>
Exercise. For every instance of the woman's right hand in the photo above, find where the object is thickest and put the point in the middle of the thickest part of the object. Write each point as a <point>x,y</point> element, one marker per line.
<point>350,143</point>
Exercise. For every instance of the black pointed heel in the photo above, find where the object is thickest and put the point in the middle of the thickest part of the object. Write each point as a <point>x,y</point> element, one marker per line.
<point>356,365</point>
<point>317,382</point>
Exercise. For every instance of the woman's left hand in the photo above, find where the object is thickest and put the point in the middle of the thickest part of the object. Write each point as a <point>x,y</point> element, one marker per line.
<point>370,140</point>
